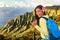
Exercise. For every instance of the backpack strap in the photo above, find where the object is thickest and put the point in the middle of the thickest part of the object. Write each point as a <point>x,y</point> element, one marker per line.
<point>45,18</point>
<point>46,21</point>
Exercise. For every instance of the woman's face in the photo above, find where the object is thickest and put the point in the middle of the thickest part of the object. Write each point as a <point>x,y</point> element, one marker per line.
<point>39,12</point>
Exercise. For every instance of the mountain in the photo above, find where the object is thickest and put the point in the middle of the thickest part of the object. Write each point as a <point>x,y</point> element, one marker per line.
<point>19,26</point>
<point>7,13</point>
<point>53,7</point>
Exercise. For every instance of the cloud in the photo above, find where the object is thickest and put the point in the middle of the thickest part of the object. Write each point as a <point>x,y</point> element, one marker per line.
<point>48,2</point>
<point>15,4</point>
<point>29,3</point>
<point>1,4</point>
<point>32,3</point>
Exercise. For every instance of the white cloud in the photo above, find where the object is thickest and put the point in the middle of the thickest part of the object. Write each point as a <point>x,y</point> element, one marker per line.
<point>30,3</point>
<point>23,4</point>
<point>1,4</point>
<point>15,4</point>
<point>40,2</point>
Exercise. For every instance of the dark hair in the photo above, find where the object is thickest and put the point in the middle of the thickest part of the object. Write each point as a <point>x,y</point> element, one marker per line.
<point>40,7</point>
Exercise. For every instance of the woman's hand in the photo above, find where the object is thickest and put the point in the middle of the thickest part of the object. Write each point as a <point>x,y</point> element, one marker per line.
<point>34,23</point>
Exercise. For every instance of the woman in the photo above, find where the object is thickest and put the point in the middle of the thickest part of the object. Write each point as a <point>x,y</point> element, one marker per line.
<point>40,23</point>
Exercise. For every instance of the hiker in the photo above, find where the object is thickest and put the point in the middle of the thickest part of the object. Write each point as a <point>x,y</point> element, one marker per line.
<point>41,24</point>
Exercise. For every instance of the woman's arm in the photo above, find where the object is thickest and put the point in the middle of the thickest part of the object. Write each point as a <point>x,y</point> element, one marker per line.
<point>42,28</point>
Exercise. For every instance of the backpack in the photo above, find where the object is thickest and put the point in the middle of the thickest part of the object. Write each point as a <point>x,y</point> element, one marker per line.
<point>52,27</point>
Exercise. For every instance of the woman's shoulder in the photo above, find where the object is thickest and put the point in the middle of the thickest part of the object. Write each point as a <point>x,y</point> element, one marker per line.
<point>42,19</point>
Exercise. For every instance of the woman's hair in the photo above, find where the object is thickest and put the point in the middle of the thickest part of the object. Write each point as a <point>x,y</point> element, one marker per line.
<point>40,7</point>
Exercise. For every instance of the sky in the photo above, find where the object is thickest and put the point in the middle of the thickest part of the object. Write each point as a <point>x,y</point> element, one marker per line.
<point>20,6</point>
<point>28,3</point>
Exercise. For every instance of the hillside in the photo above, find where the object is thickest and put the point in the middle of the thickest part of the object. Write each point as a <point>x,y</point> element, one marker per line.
<point>20,28</point>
